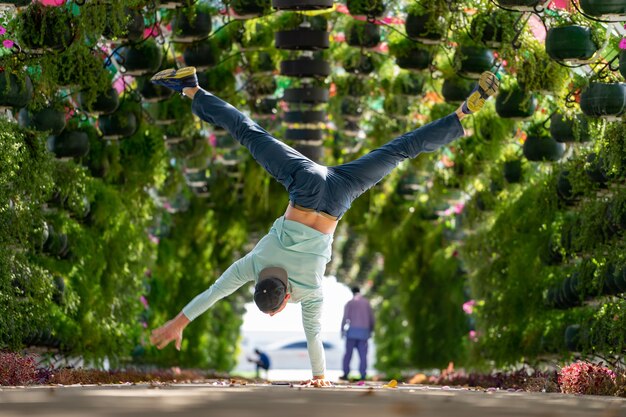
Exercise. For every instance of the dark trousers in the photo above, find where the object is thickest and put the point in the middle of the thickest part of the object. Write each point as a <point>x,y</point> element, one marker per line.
<point>329,190</point>
<point>361,346</point>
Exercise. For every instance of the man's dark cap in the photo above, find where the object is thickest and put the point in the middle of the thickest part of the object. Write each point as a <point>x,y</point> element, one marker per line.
<point>271,288</point>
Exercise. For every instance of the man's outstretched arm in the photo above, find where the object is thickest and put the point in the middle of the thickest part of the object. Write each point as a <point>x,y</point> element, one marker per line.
<point>311,321</point>
<point>232,279</point>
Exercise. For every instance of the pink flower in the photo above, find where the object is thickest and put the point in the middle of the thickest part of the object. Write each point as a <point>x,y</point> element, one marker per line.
<point>473,335</point>
<point>144,301</point>
<point>2,30</point>
<point>8,43</point>
<point>622,44</point>
<point>468,306</point>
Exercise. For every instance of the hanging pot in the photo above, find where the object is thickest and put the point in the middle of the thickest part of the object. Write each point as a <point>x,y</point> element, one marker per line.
<point>311,95</point>
<point>456,90</point>
<point>264,106</point>
<point>564,189</point>
<point>302,4</point>
<point>549,253</point>
<point>604,100</point>
<point>566,130</point>
<point>408,83</point>
<point>622,62</point>
<point>152,93</point>
<point>261,86</point>
<point>491,34</point>
<point>472,61</point>
<point>245,8</point>
<point>305,67</point>
<point>302,39</point>
<point>260,62</point>
<point>363,65</point>
<point>201,55</point>
<point>45,28</point>
<point>513,171</point>
<point>595,170</point>
<point>305,117</point>
<point>523,5</point>
<point>351,108</point>
<point>572,290</point>
<point>314,152</point>
<point>16,3</point>
<point>106,102</point>
<point>15,91</point>
<point>542,148</point>
<point>570,43</point>
<point>186,30</point>
<point>370,8</point>
<point>225,142</point>
<point>363,34</point>
<point>415,58</point>
<point>132,31</point>
<point>118,125</point>
<point>46,119</point>
<point>606,10</point>
<point>197,178</point>
<point>515,104</point>
<point>426,28</point>
<point>141,59</point>
<point>304,135</point>
<point>69,144</point>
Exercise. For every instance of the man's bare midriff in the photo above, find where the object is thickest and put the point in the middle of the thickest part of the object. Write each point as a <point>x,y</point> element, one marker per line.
<point>312,219</point>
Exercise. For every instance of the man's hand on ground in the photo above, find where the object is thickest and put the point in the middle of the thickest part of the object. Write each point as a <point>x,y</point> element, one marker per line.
<point>170,331</point>
<point>317,383</point>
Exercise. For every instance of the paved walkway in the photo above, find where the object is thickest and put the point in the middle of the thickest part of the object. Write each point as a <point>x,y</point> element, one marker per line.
<point>217,399</point>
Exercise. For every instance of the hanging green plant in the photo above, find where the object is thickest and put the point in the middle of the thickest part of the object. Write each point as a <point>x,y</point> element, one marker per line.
<point>471,61</point>
<point>536,72</point>
<point>191,25</point>
<point>249,8</point>
<point>408,83</point>
<point>121,24</point>
<point>16,89</point>
<point>362,34</point>
<point>252,34</point>
<point>43,28</point>
<point>456,89</point>
<point>493,28</point>
<point>122,123</point>
<point>202,55</point>
<point>141,59</point>
<point>49,119</point>
<point>566,128</point>
<point>69,144</point>
<point>410,54</point>
<point>105,103</point>
<point>515,103</point>
<point>359,63</point>
<point>426,21</point>
<point>370,8</point>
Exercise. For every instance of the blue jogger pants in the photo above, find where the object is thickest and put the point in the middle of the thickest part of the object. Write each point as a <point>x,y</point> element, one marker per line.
<point>329,190</point>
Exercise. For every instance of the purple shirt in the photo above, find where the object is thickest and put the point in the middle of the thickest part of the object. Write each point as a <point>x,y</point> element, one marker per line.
<point>358,314</point>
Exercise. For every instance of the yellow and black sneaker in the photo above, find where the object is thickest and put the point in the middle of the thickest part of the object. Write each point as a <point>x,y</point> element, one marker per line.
<point>488,85</point>
<point>176,79</point>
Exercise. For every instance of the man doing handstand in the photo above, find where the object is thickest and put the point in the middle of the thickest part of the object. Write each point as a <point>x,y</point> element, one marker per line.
<point>288,263</point>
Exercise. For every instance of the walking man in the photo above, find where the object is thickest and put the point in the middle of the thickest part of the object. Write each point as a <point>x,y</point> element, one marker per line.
<point>288,263</point>
<point>359,320</point>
